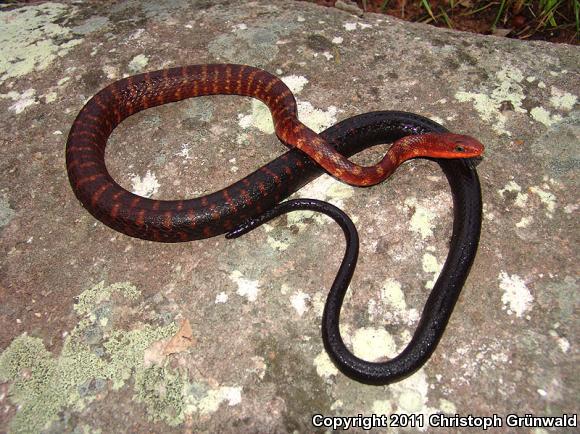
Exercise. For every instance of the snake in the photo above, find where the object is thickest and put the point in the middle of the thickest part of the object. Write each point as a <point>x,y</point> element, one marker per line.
<point>215,214</point>
<point>243,202</point>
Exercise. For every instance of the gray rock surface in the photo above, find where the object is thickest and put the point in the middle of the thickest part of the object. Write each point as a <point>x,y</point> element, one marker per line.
<point>92,322</point>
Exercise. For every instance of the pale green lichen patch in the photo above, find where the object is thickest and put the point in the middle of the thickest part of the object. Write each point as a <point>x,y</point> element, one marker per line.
<point>295,83</point>
<point>92,24</point>
<point>514,188</point>
<point>524,222</point>
<point>277,244</point>
<point>507,89</point>
<point>6,213</point>
<point>259,118</point>
<point>447,406</point>
<point>431,265</point>
<point>373,344</point>
<point>138,63</point>
<point>50,97</point>
<point>547,198</point>
<point>423,219</point>
<point>145,186</point>
<point>395,309</point>
<point>382,406</point>
<point>126,349</point>
<point>562,100</point>
<point>44,384</point>
<point>411,394</point>
<point>246,287</point>
<point>324,366</point>
<point>316,119</point>
<point>21,100</point>
<point>324,188</point>
<point>299,301</point>
<point>215,397</point>
<point>94,296</point>
<point>162,392</point>
<point>250,46</point>
<point>540,114</point>
<point>30,38</point>
<point>516,297</point>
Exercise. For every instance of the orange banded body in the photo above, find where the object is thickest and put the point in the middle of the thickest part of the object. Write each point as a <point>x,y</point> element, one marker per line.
<point>184,220</point>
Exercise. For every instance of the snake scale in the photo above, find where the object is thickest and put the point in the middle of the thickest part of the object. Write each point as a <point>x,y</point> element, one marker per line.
<point>255,198</point>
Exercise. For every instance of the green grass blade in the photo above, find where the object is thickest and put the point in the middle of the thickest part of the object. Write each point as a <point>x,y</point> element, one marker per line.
<point>499,14</point>
<point>427,6</point>
<point>383,7</point>
<point>446,17</point>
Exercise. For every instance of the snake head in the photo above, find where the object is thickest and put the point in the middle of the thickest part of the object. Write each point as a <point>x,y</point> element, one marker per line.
<point>449,145</point>
<point>437,145</point>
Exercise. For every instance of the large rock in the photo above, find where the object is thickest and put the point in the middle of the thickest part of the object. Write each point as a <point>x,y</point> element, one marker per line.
<point>88,314</point>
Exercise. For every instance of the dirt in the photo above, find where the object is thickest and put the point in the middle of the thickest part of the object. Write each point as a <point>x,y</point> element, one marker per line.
<point>518,23</point>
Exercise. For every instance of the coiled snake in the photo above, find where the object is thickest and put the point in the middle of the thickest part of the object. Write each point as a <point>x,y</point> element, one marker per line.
<point>250,201</point>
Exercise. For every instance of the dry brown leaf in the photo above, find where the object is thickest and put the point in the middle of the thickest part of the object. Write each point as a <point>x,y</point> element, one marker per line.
<point>181,341</point>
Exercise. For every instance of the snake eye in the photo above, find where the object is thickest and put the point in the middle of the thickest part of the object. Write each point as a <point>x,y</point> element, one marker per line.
<point>459,148</point>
